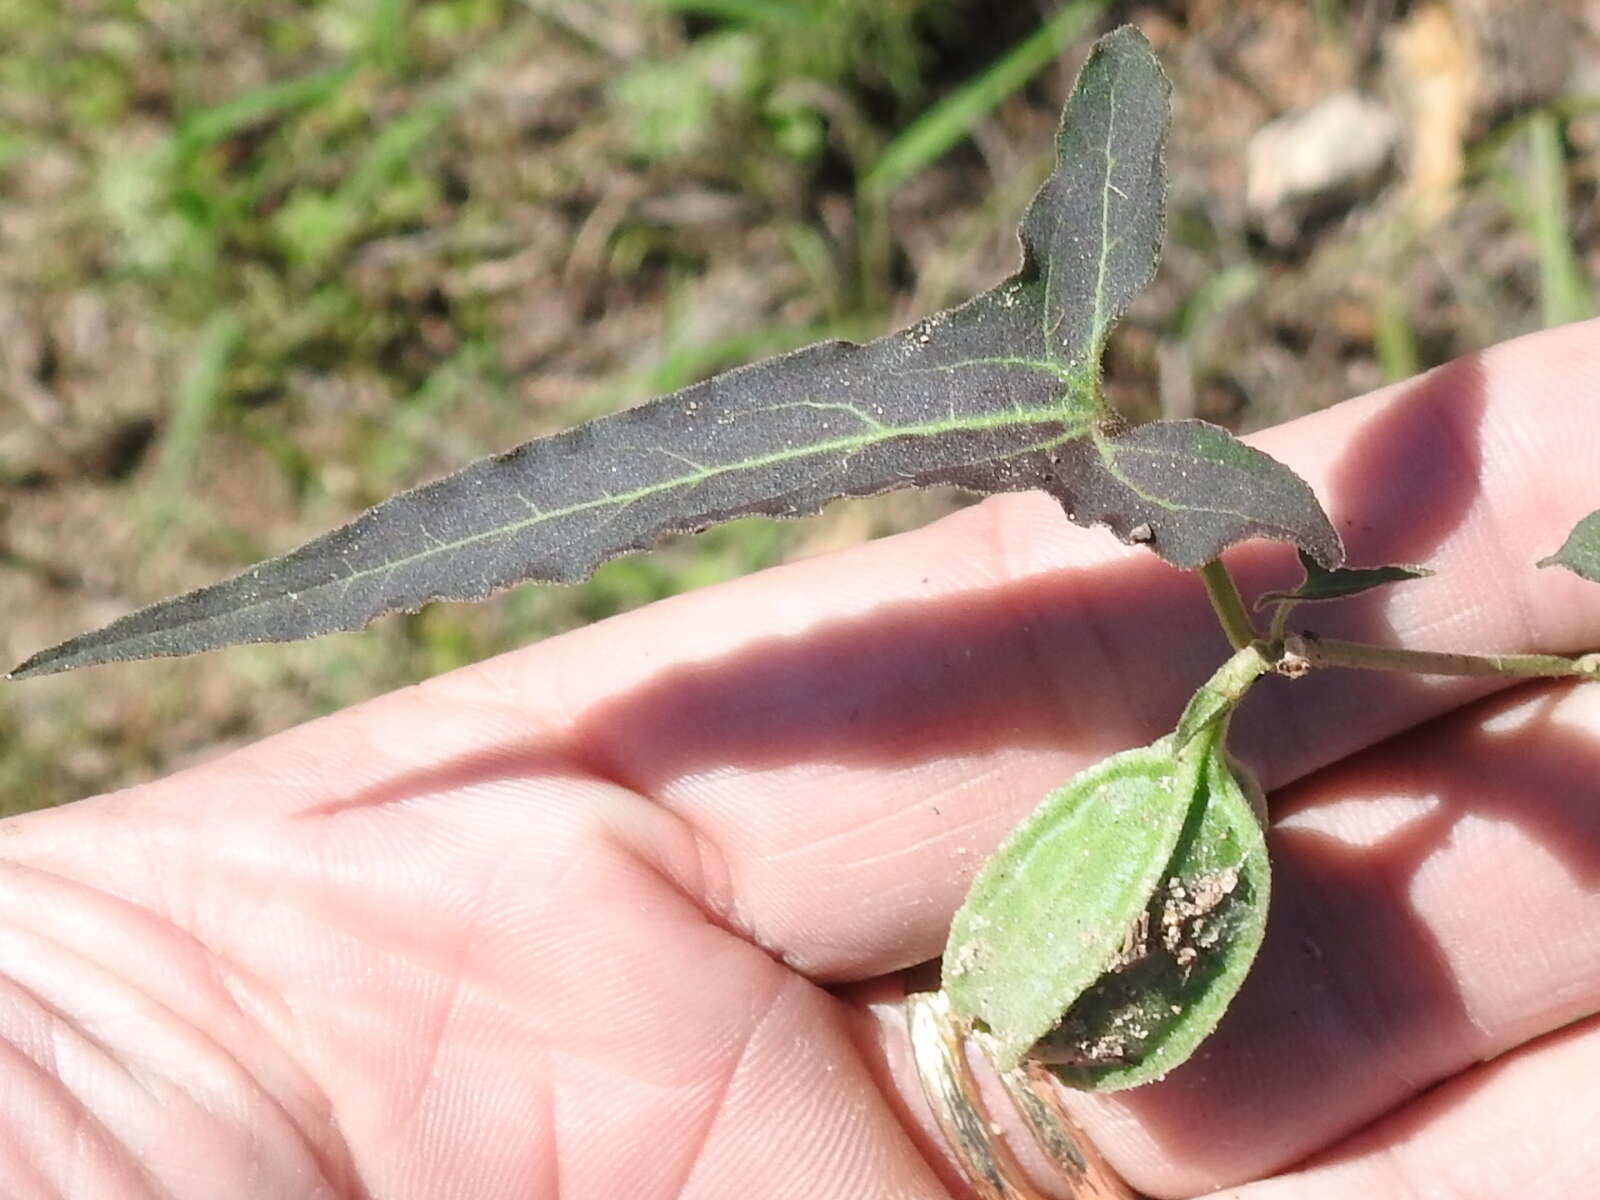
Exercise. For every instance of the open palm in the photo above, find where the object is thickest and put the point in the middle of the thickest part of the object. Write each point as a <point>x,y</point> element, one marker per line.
<point>623,915</point>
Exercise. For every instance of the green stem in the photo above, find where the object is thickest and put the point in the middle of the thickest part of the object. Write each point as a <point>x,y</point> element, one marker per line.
<point>1305,652</point>
<point>1280,620</point>
<point>1217,698</point>
<point>1228,604</point>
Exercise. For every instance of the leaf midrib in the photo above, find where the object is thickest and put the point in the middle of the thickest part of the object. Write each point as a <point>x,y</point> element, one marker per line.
<point>879,433</point>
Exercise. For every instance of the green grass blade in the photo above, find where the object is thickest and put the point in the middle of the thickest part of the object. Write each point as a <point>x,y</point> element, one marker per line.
<point>1392,339</point>
<point>1564,291</point>
<point>386,34</point>
<point>198,398</point>
<point>208,126</point>
<point>928,137</point>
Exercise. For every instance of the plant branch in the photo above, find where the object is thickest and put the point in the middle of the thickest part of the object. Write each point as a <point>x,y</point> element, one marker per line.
<point>1280,620</point>
<point>1228,604</point>
<point>1217,698</point>
<point>1307,651</point>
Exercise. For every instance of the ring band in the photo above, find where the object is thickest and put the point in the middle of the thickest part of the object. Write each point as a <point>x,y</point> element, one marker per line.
<point>938,1048</point>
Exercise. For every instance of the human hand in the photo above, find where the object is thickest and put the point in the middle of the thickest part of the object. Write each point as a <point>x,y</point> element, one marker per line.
<point>624,914</point>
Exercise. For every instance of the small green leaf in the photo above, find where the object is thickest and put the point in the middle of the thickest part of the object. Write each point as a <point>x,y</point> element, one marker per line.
<point>1322,584</point>
<point>1052,909</point>
<point>1580,553</point>
<point>1063,910</point>
<point>1192,948</point>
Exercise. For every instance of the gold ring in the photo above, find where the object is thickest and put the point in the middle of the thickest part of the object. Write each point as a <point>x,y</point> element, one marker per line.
<point>939,1049</point>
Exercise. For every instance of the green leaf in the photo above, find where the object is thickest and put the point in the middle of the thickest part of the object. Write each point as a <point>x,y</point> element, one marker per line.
<point>1140,884</point>
<point>1580,553</point>
<point>1052,910</point>
<point>1322,584</point>
<point>1193,947</point>
<point>1000,394</point>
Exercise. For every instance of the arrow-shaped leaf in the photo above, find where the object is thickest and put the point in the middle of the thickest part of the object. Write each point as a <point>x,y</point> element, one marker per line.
<point>1000,394</point>
<point>1580,553</point>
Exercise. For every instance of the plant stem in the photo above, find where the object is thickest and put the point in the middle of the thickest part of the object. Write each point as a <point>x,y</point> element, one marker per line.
<point>1220,695</point>
<point>1280,620</point>
<point>1228,604</point>
<point>1330,652</point>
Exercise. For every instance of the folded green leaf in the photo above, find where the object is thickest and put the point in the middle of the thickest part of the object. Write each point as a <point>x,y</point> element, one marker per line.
<point>1191,950</point>
<point>1153,852</point>
<point>1322,584</point>
<point>1000,394</point>
<point>1052,910</point>
<point>1580,553</point>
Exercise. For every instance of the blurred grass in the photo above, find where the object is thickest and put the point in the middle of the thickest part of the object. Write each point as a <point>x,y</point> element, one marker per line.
<point>198,396</point>
<point>269,197</point>
<point>951,120</point>
<point>1392,338</point>
<point>1565,293</point>
<point>262,265</point>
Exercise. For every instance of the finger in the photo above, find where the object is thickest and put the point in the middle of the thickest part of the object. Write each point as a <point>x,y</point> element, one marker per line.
<point>326,1008</point>
<point>1522,1125</point>
<point>1435,905</point>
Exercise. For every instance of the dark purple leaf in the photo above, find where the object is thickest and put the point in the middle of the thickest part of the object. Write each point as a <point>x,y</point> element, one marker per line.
<point>1000,394</point>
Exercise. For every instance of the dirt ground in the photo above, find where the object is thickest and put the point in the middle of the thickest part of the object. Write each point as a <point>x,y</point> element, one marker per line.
<point>262,265</point>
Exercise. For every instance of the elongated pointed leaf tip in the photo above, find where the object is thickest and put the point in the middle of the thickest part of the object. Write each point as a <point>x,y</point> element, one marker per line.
<point>55,660</point>
<point>122,641</point>
<point>1093,232</point>
<point>50,661</point>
